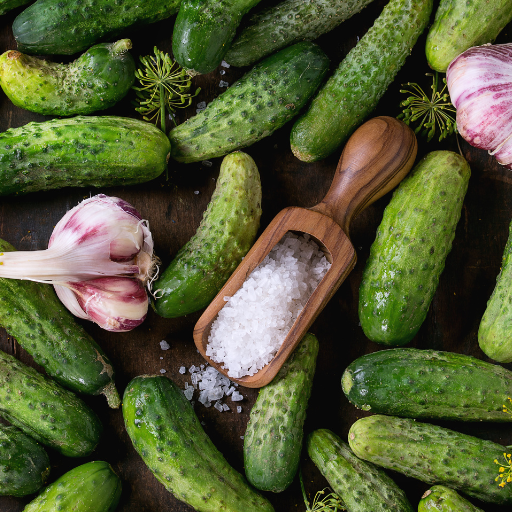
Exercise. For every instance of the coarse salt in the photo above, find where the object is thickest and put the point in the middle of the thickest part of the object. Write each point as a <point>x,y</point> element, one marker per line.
<point>252,325</point>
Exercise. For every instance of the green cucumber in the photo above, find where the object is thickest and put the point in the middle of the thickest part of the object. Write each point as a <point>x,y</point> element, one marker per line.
<point>31,313</point>
<point>287,23</point>
<point>91,487</point>
<point>224,237</point>
<point>81,151</point>
<point>95,81</point>
<point>167,435</point>
<point>443,499</point>
<point>9,5</point>
<point>263,100</point>
<point>495,330</point>
<point>24,463</point>
<point>204,30</point>
<point>362,486</point>
<point>63,28</point>
<point>409,252</point>
<point>355,88</point>
<point>461,24</point>
<point>428,384</point>
<point>432,454</point>
<point>45,411</point>
<point>273,439</point>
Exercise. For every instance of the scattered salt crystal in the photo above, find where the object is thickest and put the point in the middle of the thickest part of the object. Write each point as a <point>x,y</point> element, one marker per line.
<point>182,370</point>
<point>219,407</point>
<point>161,357</point>
<point>222,71</point>
<point>222,83</point>
<point>224,64</point>
<point>241,437</point>
<point>163,371</point>
<point>207,163</point>
<point>196,192</point>
<point>164,345</point>
<point>238,408</point>
<point>252,325</point>
<point>236,396</point>
<point>189,393</point>
<point>201,104</point>
<point>226,407</point>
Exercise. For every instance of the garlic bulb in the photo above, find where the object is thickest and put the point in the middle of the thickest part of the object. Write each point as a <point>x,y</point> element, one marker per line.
<point>480,85</point>
<point>99,258</point>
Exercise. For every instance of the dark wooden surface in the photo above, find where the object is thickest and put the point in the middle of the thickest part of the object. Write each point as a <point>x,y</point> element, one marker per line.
<point>174,211</point>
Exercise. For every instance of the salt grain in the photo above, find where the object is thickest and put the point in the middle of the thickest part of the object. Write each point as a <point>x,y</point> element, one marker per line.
<point>222,83</point>
<point>251,327</point>
<point>238,409</point>
<point>163,371</point>
<point>224,64</point>
<point>164,345</point>
<point>182,370</point>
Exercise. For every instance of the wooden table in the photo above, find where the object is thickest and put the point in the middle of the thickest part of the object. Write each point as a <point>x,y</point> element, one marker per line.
<point>174,208</point>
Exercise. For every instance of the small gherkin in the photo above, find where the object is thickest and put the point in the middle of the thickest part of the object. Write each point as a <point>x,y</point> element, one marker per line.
<point>287,23</point>
<point>440,498</point>
<point>225,235</point>
<point>432,454</point>
<point>273,439</point>
<point>263,100</point>
<point>167,434</point>
<point>95,81</point>
<point>361,485</point>
<point>361,79</point>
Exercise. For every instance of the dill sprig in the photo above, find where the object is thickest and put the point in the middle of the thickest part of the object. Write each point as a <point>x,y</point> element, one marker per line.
<point>164,87</point>
<point>436,111</point>
<point>505,470</point>
<point>328,503</point>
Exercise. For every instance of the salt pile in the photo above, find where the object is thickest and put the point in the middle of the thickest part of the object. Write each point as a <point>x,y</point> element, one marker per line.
<point>251,327</point>
<point>212,387</point>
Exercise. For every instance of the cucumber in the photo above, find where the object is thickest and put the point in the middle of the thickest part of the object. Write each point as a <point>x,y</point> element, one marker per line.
<point>428,384</point>
<point>287,23</point>
<point>91,487</point>
<point>495,330</point>
<point>204,30</point>
<point>81,151</point>
<point>31,313</point>
<point>460,24</point>
<point>95,81</point>
<point>45,411</point>
<point>224,237</point>
<point>9,5</point>
<point>362,486</point>
<point>24,463</point>
<point>167,435</point>
<point>356,86</point>
<point>273,439</point>
<point>409,252</point>
<point>263,100</point>
<point>432,454</point>
<point>443,499</point>
<point>63,28</point>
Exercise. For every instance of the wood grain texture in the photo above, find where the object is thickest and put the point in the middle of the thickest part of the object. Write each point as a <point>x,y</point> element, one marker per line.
<point>174,212</point>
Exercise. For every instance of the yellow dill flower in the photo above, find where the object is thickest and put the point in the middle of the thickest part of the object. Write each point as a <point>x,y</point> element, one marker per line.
<point>504,470</point>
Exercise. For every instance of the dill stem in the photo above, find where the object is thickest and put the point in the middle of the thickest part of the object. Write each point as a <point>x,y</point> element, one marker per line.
<point>162,107</point>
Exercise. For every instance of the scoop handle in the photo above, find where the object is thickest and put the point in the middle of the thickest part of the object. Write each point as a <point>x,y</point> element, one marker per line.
<point>375,159</point>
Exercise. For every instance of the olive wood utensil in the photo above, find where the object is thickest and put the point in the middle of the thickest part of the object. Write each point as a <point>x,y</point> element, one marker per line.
<point>375,159</point>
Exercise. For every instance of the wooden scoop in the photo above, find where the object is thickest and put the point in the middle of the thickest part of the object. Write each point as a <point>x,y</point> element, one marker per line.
<point>375,159</point>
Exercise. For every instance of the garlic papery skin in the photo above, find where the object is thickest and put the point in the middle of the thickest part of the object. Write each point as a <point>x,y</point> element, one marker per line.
<point>116,304</point>
<point>102,236</point>
<point>480,86</point>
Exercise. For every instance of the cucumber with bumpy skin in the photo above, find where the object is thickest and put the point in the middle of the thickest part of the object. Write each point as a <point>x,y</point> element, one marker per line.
<point>273,439</point>
<point>166,433</point>
<point>40,323</point>
<point>410,249</point>
<point>224,237</point>
<point>362,486</point>
<point>45,411</point>
<point>66,27</point>
<point>432,454</point>
<point>355,88</point>
<point>204,30</point>
<point>95,81</point>
<point>287,23</point>
<point>91,487</point>
<point>495,330</point>
<point>9,5</point>
<point>440,498</point>
<point>263,100</point>
<point>428,384</point>
<point>81,151</point>
<point>460,24</point>
<point>24,463</point>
